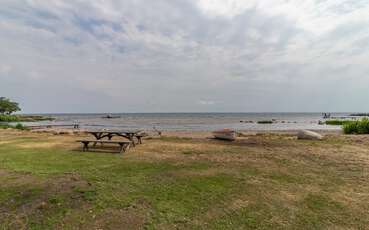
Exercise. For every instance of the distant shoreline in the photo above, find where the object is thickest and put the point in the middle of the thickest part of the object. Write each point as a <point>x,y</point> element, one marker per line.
<point>132,113</point>
<point>193,121</point>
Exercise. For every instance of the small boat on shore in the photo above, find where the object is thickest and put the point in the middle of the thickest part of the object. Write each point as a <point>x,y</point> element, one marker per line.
<point>109,116</point>
<point>225,134</point>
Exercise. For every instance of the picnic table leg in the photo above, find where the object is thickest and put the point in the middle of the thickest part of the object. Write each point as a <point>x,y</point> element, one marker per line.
<point>131,138</point>
<point>123,147</point>
<point>97,136</point>
<point>85,146</point>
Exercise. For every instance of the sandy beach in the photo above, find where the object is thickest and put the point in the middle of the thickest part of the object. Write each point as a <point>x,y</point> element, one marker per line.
<point>242,133</point>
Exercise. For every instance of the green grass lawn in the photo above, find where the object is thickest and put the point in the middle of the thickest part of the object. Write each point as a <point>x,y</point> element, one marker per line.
<point>263,182</point>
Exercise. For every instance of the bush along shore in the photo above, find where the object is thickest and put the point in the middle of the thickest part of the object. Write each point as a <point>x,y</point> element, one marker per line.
<point>24,118</point>
<point>357,127</point>
<point>352,127</point>
<point>17,126</point>
<point>337,122</point>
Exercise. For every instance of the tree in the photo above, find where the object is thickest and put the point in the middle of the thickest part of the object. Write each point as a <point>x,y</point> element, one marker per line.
<point>7,106</point>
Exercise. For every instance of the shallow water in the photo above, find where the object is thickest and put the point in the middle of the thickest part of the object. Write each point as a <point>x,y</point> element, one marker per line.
<point>195,121</point>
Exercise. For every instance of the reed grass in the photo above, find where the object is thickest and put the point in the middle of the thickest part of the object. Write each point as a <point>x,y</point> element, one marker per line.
<point>24,118</point>
<point>337,122</point>
<point>357,127</point>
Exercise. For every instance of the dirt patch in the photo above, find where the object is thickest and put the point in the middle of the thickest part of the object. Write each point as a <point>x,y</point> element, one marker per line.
<point>206,172</point>
<point>135,218</point>
<point>37,145</point>
<point>33,198</point>
<point>44,141</point>
<point>239,204</point>
<point>11,179</point>
<point>5,142</point>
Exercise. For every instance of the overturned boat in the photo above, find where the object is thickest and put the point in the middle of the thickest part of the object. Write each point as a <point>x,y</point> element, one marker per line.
<point>109,116</point>
<point>225,134</point>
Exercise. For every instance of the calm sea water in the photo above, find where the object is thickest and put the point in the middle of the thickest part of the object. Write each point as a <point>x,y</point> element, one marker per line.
<point>195,121</point>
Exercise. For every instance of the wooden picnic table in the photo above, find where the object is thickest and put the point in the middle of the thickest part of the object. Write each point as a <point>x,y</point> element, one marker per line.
<point>128,134</point>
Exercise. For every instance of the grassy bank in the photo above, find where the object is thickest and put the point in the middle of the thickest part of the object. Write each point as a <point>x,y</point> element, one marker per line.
<point>23,118</point>
<point>267,181</point>
<point>337,122</point>
<point>17,126</point>
<point>357,127</point>
<point>352,127</point>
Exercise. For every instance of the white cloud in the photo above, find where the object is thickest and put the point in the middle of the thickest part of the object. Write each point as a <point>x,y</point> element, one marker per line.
<point>5,69</point>
<point>204,102</point>
<point>227,8</point>
<point>173,52</point>
<point>314,16</point>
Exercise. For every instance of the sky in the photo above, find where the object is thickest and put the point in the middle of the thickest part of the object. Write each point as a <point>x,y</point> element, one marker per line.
<point>83,56</point>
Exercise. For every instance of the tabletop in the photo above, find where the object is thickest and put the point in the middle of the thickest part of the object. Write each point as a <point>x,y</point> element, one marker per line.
<point>116,131</point>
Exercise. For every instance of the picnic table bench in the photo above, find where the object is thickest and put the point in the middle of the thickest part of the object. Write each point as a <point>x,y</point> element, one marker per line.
<point>123,145</point>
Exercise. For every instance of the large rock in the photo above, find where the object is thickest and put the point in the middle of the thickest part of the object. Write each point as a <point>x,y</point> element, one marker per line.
<point>308,135</point>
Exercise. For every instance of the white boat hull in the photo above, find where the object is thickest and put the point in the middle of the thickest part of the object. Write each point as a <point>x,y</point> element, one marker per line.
<point>225,135</point>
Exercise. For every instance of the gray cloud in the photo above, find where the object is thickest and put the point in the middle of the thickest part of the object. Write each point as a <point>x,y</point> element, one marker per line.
<point>178,55</point>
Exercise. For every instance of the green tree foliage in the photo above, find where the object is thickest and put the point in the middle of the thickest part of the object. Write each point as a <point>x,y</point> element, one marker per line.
<point>7,106</point>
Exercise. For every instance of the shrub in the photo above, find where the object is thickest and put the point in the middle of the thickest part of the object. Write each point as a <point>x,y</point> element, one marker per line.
<point>24,118</point>
<point>350,128</point>
<point>20,126</point>
<point>4,126</point>
<point>8,118</point>
<point>357,127</point>
<point>17,126</point>
<point>265,122</point>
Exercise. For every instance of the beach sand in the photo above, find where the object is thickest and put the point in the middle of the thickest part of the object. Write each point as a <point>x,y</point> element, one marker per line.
<point>242,133</point>
<point>185,134</point>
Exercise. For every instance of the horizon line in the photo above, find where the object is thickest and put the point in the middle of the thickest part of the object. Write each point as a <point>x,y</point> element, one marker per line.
<point>62,113</point>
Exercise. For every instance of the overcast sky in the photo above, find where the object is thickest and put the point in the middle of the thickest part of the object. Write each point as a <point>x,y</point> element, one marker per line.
<point>185,55</point>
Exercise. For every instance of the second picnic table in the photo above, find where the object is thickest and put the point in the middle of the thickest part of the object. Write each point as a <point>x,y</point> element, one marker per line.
<point>128,134</point>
